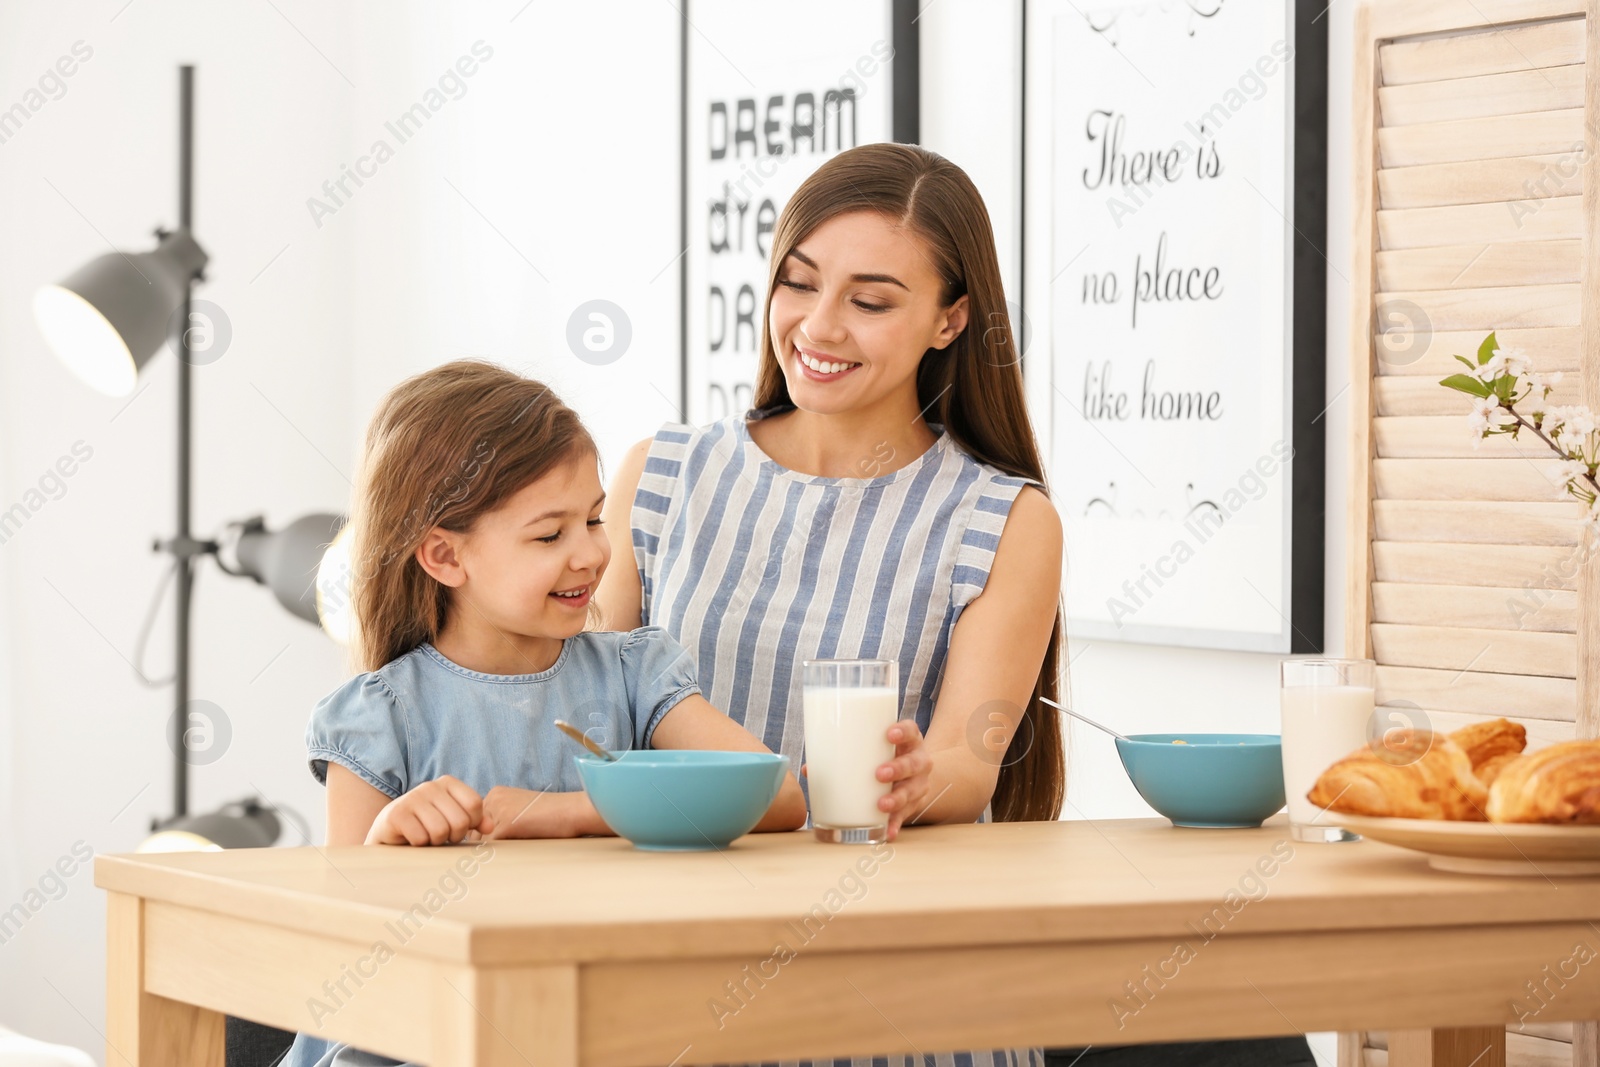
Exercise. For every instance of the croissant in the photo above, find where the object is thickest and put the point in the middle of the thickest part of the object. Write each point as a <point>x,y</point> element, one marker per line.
<point>1558,784</point>
<point>1490,769</point>
<point>1417,774</point>
<point>1490,745</point>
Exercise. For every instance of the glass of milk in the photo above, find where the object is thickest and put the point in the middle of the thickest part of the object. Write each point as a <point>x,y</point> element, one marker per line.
<point>1327,706</point>
<point>849,706</point>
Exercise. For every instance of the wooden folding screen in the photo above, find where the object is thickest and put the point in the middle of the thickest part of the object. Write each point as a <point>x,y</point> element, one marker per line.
<point>1475,210</point>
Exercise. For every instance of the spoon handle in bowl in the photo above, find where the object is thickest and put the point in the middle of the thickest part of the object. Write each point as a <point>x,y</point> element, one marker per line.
<point>584,740</point>
<point>1084,718</point>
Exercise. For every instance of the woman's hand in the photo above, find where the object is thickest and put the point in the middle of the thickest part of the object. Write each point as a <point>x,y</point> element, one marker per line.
<point>439,812</point>
<point>910,771</point>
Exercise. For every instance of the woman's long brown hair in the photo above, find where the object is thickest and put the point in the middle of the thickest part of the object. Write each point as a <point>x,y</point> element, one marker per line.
<point>444,447</point>
<point>973,386</point>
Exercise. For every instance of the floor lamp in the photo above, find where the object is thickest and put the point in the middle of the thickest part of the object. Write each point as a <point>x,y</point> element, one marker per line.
<point>106,321</point>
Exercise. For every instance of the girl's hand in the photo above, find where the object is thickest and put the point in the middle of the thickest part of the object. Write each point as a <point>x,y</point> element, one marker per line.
<point>520,812</point>
<point>910,771</point>
<point>530,813</point>
<point>440,812</point>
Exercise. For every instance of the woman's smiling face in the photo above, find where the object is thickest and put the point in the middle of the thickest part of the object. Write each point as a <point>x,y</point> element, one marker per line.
<point>855,307</point>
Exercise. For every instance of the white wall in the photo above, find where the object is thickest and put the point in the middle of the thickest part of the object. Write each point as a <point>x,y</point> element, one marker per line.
<point>96,168</point>
<point>552,181</point>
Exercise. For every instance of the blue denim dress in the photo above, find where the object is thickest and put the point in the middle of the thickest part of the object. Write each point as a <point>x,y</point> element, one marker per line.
<point>422,716</point>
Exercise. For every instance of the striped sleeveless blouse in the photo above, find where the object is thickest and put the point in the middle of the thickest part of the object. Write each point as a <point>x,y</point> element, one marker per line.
<point>754,568</point>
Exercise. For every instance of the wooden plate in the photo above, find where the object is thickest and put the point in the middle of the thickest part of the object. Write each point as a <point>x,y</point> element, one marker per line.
<point>1487,847</point>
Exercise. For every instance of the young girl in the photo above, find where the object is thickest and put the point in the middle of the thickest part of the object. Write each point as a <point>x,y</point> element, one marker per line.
<point>477,547</point>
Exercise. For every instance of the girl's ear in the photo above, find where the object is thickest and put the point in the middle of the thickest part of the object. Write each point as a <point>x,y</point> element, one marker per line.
<point>955,320</point>
<point>439,555</point>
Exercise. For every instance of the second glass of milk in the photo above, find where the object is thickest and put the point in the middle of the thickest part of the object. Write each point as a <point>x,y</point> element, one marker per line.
<point>1327,707</point>
<point>849,706</point>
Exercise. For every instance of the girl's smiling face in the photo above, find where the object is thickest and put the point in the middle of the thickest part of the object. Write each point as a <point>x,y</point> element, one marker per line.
<point>530,566</point>
<point>855,306</point>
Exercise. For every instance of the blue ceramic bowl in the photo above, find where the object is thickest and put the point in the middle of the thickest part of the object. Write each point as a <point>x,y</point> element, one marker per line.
<point>1219,780</point>
<point>682,800</point>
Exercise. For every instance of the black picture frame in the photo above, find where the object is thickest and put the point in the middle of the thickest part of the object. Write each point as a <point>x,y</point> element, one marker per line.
<point>1308,553</point>
<point>905,128</point>
<point>1307,359</point>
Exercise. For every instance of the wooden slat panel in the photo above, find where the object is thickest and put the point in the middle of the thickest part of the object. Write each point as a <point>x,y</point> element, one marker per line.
<point>1558,218</point>
<point>1449,437</point>
<point>1586,1035</point>
<point>1363,244</point>
<point>1480,266</point>
<point>1432,353</point>
<point>1519,1052</point>
<point>1561,1032</point>
<point>1412,17</point>
<point>1533,134</point>
<point>1482,180</point>
<point>1587,1039</point>
<point>1551,611</point>
<point>1460,648</point>
<point>1415,395</point>
<point>1466,479</point>
<point>1548,1031</point>
<point>1465,55</point>
<point>1481,143</point>
<point>1526,1050</point>
<point>1541,732</point>
<point>1479,522</point>
<point>1492,309</point>
<point>1528,569</point>
<point>1526,696</point>
<point>1547,89</point>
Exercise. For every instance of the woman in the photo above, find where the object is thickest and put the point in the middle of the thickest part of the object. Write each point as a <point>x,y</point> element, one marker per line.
<point>884,498</point>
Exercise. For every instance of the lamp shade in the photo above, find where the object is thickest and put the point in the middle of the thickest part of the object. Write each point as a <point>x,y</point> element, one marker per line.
<point>333,590</point>
<point>241,824</point>
<point>107,318</point>
<point>287,560</point>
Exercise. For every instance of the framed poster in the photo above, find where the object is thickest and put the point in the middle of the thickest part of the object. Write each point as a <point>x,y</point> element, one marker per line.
<point>1175,205</point>
<point>769,94</point>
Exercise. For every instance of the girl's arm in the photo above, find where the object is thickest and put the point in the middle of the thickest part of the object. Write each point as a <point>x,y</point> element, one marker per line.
<point>691,723</point>
<point>694,723</point>
<point>353,806</point>
<point>438,812</point>
<point>531,813</point>
<point>620,598</point>
<point>996,652</point>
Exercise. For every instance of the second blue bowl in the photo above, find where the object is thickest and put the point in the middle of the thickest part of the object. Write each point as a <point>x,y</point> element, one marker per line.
<point>1213,780</point>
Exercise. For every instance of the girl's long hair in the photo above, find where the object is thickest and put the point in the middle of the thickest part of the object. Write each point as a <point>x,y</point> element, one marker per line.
<point>973,386</point>
<point>444,447</point>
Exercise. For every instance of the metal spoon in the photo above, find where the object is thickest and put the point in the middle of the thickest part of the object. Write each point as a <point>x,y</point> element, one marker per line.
<point>583,739</point>
<point>1086,719</point>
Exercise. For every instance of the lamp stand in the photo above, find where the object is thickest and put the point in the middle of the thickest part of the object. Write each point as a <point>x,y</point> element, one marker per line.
<point>183,546</point>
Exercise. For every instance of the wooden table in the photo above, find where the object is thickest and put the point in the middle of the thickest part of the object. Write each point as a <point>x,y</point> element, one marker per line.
<point>559,953</point>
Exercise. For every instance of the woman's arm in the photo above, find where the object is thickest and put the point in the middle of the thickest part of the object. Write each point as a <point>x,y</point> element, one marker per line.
<point>695,723</point>
<point>996,652</point>
<point>620,597</point>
